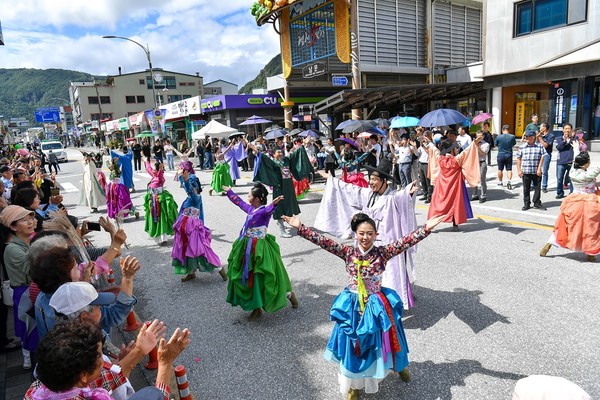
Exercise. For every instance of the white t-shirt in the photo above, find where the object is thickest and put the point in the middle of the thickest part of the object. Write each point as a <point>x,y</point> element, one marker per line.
<point>464,140</point>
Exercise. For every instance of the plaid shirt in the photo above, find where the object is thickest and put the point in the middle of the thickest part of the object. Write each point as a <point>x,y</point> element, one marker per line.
<point>530,157</point>
<point>110,379</point>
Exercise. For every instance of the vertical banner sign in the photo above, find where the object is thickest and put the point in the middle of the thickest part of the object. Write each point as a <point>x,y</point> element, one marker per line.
<point>312,33</point>
<point>560,105</point>
<point>519,118</point>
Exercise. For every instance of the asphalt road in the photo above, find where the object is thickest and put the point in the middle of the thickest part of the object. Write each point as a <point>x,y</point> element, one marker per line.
<point>489,310</point>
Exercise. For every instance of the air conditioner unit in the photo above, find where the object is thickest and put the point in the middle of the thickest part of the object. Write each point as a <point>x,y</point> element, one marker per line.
<point>305,109</point>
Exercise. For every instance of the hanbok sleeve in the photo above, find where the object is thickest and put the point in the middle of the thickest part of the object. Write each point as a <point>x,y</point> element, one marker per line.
<point>266,171</point>
<point>469,161</point>
<point>149,168</point>
<point>300,165</point>
<point>401,245</point>
<point>235,199</point>
<point>433,167</point>
<point>335,248</point>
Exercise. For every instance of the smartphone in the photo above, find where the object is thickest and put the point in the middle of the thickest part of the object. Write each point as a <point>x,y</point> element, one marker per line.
<point>93,226</point>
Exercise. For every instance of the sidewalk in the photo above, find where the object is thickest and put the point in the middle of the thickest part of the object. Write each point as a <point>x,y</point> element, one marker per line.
<point>14,380</point>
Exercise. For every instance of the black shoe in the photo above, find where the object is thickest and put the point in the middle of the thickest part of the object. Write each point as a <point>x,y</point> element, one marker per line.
<point>525,208</point>
<point>544,190</point>
<point>561,196</point>
<point>475,197</point>
<point>427,201</point>
<point>423,198</point>
<point>509,186</point>
<point>539,207</point>
<point>482,200</point>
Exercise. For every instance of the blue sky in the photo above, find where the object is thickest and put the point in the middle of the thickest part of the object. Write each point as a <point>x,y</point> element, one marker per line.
<point>219,39</point>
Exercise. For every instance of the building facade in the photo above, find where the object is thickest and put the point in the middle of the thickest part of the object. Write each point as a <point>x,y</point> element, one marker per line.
<point>542,57</point>
<point>219,87</point>
<point>124,95</point>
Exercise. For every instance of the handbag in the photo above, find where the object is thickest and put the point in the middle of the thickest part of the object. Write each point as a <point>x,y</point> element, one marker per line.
<point>7,293</point>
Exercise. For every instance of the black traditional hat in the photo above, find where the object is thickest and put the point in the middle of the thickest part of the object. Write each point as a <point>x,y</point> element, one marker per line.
<point>383,170</point>
<point>448,146</point>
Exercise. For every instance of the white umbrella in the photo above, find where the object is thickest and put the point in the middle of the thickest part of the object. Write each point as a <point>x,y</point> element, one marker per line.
<point>214,129</point>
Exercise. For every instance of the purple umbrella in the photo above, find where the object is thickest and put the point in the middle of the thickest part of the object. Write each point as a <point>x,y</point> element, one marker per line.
<point>481,118</point>
<point>349,141</point>
<point>275,134</point>
<point>255,119</point>
<point>310,133</point>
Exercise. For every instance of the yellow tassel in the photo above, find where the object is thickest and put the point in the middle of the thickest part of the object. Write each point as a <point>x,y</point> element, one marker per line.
<point>362,290</point>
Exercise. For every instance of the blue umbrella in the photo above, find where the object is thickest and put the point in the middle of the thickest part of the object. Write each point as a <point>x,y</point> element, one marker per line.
<point>403,122</point>
<point>255,119</point>
<point>441,117</point>
<point>376,130</point>
<point>275,134</point>
<point>310,133</point>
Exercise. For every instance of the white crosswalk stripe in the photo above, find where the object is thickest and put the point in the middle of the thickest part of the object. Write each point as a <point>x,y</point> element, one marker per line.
<point>68,187</point>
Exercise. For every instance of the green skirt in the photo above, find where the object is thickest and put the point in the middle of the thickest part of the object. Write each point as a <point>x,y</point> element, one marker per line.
<point>192,264</point>
<point>220,177</point>
<point>167,214</point>
<point>267,283</point>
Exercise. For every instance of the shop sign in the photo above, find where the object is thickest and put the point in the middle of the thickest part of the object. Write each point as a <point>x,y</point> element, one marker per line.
<point>312,34</point>
<point>560,105</point>
<point>122,124</point>
<point>339,80</point>
<point>269,100</point>
<point>315,69</point>
<point>519,118</point>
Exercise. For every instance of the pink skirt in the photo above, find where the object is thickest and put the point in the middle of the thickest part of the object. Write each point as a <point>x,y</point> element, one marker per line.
<point>192,240</point>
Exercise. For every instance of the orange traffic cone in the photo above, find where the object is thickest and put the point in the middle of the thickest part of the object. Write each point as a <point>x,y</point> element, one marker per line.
<point>132,322</point>
<point>182,383</point>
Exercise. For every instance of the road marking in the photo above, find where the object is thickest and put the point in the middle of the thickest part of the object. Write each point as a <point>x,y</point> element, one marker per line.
<point>508,220</point>
<point>68,187</point>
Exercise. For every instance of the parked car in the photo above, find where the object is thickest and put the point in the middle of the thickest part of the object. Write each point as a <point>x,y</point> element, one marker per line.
<point>57,148</point>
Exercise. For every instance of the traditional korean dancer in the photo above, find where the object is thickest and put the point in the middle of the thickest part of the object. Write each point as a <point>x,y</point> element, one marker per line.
<point>160,207</point>
<point>257,277</point>
<point>92,194</point>
<point>220,175</point>
<point>278,172</point>
<point>117,195</point>
<point>126,165</point>
<point>578,223</point>
<point>368,339</point>
<point>236,152</point>
<point>192,244</point>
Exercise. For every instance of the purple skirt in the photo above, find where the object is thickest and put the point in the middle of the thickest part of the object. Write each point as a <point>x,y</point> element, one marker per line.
<point>117,198</point>
<point>192,239</point>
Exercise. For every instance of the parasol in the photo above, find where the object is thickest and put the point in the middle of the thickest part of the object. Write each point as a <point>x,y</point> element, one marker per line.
<point>481,118</point>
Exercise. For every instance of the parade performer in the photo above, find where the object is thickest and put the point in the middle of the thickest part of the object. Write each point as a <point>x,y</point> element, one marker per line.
<point>125,163</point>
<point>192,244</point>
<point>448,171</point>
<point>356,178</point>
<point>99,174</point>
<point>220,175</point>
<point>368,338</point>
<point>257,277</point>
<point>301,187</point>
<point>393,211</point>
<point>278,172</point>
<point>92,194</point>
<point>233,154</point>
<point>117,195</point>
<point>578,223</point>
<point>160,207</point>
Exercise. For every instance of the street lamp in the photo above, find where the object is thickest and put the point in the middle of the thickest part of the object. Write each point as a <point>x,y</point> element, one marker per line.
<point>147,51</point>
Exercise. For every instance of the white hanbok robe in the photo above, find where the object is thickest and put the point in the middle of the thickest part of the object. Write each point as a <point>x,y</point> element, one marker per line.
<point>92,194</point>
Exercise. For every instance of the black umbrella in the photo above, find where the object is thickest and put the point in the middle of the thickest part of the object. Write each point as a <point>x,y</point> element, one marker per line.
<point>359,126</point>
<point>296,131</point>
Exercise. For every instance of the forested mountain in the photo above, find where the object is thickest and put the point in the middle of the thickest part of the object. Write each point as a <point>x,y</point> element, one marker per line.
<point>272,68</point>
<point>24,90</point>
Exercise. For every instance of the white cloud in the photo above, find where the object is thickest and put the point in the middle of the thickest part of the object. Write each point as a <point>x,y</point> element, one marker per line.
<point>218,39</point>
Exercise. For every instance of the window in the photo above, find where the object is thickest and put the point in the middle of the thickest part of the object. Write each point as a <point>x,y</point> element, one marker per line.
<point>104,99</point>
<point>538,15</point>
<point>141,81</point>
<point>92,100</point>
<point>187,96</point>
<point>168,82</point>
<point>141,99</point>
<point>173,97</point>
<point>96,117</point>
<point>187,83</point>
<point>130,99</point>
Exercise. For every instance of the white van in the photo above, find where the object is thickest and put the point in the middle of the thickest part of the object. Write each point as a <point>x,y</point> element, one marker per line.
<point>56,147</point>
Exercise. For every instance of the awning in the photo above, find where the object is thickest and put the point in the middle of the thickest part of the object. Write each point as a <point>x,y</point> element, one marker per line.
<point>359,98</point>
